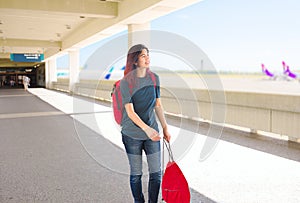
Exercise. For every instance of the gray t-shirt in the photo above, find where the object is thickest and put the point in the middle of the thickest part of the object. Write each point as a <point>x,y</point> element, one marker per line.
<point>143,97</point>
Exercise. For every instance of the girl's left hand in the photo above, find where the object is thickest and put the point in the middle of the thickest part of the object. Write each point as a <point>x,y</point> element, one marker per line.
<point>167,135</point>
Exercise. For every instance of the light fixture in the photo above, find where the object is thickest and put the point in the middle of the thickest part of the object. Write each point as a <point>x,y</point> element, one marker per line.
<point>68,27</point>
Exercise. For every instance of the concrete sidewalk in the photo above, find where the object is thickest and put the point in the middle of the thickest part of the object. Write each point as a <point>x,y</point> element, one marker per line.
<point>43,160</point>
<point>48,154</point>
<point>58,148</point>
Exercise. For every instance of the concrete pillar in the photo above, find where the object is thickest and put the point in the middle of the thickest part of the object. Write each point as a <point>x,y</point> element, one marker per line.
<point>135,36</point>
<point>73,69</point>
<point>50,71</point>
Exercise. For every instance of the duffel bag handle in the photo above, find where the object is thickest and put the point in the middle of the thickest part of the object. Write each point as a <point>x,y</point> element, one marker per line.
<point>168,146</point>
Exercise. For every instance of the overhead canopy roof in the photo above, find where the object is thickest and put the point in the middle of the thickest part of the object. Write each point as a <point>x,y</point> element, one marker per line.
<point>55,26</point>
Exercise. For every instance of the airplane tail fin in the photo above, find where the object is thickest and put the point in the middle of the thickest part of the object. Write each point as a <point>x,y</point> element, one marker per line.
<point>266,71</point>
<point>284,66</point>
<point>288,72</point>
<point>107,76</point>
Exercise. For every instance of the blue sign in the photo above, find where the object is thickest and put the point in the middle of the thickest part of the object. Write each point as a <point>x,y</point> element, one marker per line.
<point>31,57</point>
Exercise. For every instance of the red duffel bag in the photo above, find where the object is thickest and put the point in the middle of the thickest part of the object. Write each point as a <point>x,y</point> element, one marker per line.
<point>175,188</point>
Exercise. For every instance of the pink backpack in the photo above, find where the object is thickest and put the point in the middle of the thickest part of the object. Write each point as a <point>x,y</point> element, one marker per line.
<point>117,103</point>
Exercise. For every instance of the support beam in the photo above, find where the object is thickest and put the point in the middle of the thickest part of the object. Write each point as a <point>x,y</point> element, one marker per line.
<point>87,8</point>
<point>29,46</point>
<point>50,72</point>
<point>129,12</point>
<point>73,69</point>
<point>137,34</point>
<point>4,56</point>
<point>52,51</point>
<point>30,43</point>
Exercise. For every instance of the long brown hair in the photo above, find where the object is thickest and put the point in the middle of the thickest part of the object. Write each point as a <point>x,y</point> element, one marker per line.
<point>132,58</point>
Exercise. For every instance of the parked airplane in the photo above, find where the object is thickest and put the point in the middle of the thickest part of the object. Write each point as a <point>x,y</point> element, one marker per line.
<point>287,74</point>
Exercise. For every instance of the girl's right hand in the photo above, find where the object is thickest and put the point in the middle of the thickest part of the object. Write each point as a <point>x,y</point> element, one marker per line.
<point>152,134</point>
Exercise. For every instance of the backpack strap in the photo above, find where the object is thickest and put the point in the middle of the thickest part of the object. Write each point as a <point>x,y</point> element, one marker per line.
<point>153,78</point>
<point>130,86</point>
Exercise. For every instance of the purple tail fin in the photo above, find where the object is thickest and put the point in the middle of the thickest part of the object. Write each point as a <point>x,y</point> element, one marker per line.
<point>287,71</point>
<point>290,74</point>
<point>266,71</point>
<point>284,66</point>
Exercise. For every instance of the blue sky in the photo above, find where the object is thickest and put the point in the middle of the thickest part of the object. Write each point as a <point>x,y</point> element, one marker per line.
<point>237,35</point>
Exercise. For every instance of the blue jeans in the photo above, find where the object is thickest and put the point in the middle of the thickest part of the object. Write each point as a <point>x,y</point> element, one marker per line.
<point>134,150</point>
